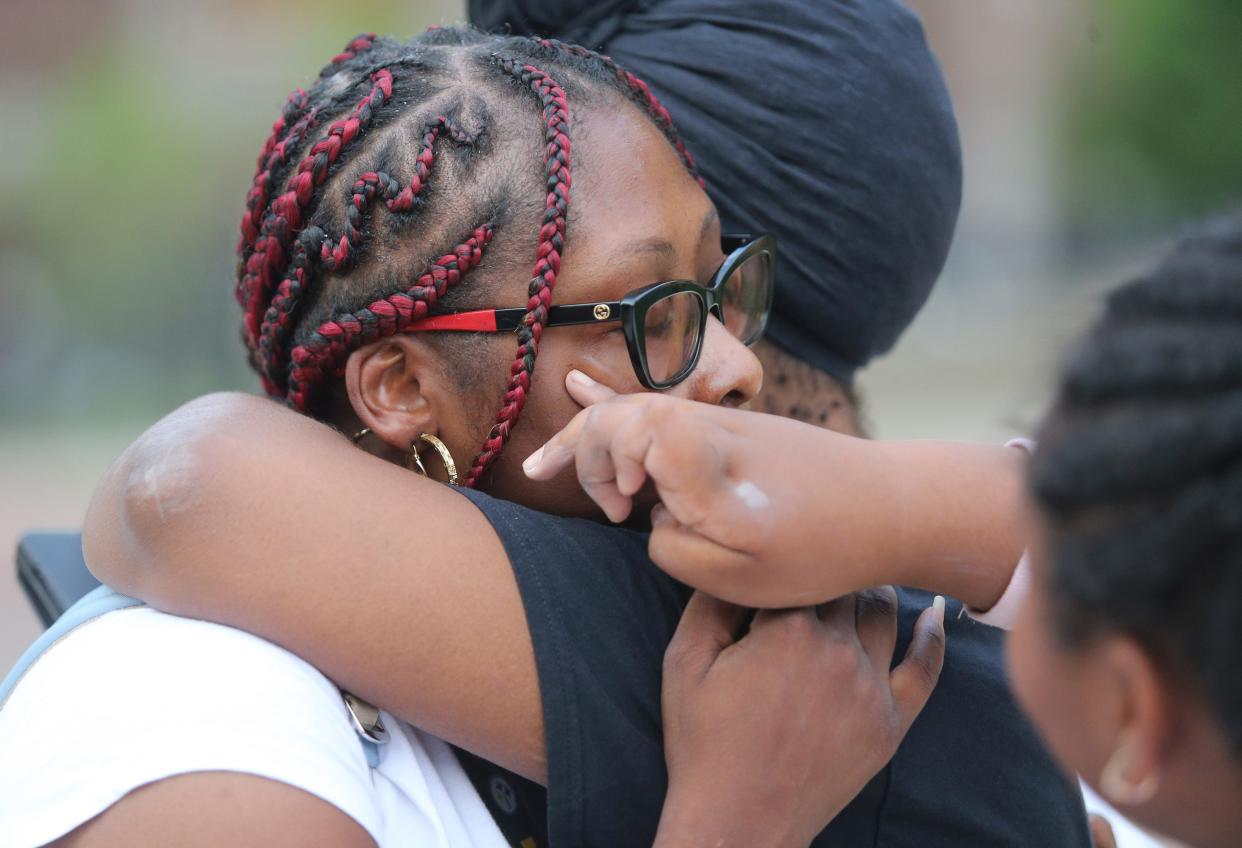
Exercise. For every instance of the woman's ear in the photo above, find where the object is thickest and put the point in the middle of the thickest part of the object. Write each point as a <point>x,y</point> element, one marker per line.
<point>387,385</point>
<point>1145,724</point>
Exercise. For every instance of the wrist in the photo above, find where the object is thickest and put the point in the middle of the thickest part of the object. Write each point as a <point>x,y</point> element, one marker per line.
<point>957,512</point>
<point>711,819</point>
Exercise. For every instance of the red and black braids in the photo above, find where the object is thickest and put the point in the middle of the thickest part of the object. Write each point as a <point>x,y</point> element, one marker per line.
<point>639,91</point>
<point>336,255</point>
<point>556,160</point>
<point>287,134</point>
<point>333,340</point>
<point>300,333</point>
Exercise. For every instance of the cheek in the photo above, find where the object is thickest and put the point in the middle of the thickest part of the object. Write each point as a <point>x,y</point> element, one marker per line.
<point>1049,684</point>
<point>549,408</point>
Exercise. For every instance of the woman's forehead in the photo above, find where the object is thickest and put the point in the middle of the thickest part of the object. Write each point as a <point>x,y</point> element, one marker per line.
<point>633,206</point>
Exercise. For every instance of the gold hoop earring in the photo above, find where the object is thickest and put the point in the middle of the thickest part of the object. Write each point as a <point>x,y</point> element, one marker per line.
<point>1118,788</point>
<point>361,434</point>
<point>415,462</point>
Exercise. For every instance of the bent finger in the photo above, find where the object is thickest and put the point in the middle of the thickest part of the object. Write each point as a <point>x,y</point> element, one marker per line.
<point>876,618</point>
<point>558,451</point>
<point>684,553</point>
<point>708,625</point>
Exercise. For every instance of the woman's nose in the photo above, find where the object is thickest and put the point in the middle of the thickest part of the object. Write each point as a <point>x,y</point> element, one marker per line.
<point>728,372</point>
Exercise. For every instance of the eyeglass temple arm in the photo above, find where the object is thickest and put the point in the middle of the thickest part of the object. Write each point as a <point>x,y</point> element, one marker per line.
<point>507,320</point>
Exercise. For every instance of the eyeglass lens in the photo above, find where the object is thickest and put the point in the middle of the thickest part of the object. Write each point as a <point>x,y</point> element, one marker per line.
<point>745,298</point>
<point>671,332</point>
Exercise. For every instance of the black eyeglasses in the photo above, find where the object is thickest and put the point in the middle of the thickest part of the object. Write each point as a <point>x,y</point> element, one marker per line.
<point>664,323</point>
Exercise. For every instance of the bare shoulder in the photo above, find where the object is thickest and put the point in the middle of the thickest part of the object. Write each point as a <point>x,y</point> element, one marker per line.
<point>219,808</point>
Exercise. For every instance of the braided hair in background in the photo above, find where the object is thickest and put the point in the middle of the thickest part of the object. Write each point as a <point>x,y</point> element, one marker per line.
<point>1139,471</point>
<point>317,277</point>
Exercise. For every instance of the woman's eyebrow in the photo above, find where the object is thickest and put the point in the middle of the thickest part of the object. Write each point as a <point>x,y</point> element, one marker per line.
<point>657,244</point>
<point>654,245</point>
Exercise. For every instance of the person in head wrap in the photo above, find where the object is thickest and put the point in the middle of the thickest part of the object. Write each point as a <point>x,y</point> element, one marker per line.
<point>827,124</point>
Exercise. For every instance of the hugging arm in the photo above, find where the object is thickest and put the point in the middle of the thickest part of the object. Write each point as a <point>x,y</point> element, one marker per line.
<point>237,510</point>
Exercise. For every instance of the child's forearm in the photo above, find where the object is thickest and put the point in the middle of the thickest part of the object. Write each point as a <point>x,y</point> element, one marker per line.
<point>763,511</point>
<point>935,515</point>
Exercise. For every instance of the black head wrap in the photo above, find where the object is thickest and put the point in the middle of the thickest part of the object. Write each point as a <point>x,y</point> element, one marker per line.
<point>825,122</point>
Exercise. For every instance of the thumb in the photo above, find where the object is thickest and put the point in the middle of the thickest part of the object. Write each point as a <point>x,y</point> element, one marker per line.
<point>912,682</point>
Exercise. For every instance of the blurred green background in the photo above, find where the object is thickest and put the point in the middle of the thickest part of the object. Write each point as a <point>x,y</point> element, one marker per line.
<point>130,129</point>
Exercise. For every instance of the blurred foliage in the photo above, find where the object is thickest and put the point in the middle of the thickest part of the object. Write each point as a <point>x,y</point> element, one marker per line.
<point>1154,118</point>
<point>131,156</point>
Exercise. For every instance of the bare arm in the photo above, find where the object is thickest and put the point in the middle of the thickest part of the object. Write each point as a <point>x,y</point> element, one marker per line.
<point>209,809</point>
<point>237,510</point>
<point>765,511</point>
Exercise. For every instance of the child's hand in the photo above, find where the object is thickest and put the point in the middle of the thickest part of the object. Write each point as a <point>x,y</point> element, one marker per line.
<point>764,511</point>
<point>735,496</point>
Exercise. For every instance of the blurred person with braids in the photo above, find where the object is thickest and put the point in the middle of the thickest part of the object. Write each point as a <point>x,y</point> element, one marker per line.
<point>144,728</point>
<point>532,640</point>
<point>1127,611</point>
<point>1126,650</point>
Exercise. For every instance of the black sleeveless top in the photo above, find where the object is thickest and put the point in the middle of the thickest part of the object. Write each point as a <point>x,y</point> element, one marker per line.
<point>971,772</point>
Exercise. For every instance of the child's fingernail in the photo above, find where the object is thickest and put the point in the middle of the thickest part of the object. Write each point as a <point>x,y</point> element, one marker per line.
<point>532,461</point>
<point>576,376</point>
<point>938,605</point>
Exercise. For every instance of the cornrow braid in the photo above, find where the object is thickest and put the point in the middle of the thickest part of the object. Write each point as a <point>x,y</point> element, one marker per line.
<point>293,119</point>
<point>335,255</point>
<point>333,340</point>
<point>287,133</point>
<point>639,91</point>
<point>1139,471</point>
<point>285,220</point>
<point>556,160</point>
<point>301,239</point>
<point>358,44</point>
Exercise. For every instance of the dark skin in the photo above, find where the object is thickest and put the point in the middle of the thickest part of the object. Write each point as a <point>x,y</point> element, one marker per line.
<point>1112,699</point>
<point>183,521</point>
<point>634,219</point>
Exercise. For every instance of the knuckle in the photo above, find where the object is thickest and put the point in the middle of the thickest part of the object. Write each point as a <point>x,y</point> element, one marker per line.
<point>681,661</point>
<point>797,625</point>
<point>675,657</point>
<point>880,601</point>
<point>659,410</point>
<point>594,417</point>
<point>928,672</point>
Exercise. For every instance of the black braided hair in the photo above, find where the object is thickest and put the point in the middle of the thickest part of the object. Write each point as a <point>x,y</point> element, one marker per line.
<point>1139,471</point>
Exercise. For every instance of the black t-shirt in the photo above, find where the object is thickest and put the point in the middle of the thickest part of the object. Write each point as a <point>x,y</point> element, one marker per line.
<point>971,772</point>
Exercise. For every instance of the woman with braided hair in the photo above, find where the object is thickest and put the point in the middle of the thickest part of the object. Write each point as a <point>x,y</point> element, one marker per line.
<point>385,279</point>
<point>533,640</point>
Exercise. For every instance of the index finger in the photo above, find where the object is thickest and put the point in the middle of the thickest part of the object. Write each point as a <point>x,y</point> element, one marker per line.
<point>708,626</point>
<point>558,450</point>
